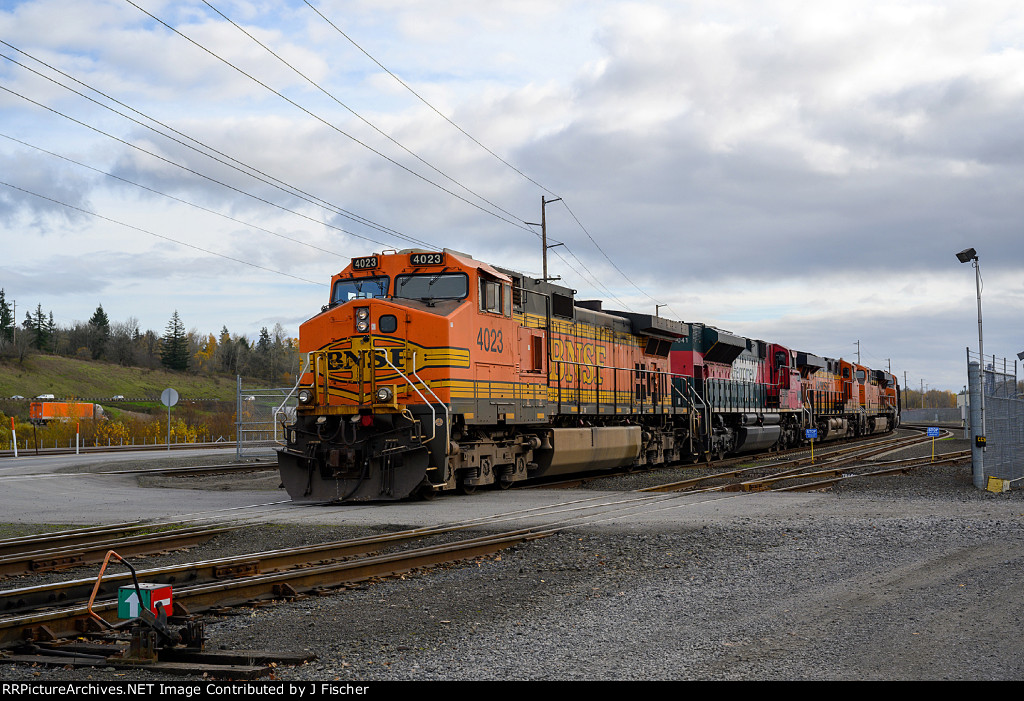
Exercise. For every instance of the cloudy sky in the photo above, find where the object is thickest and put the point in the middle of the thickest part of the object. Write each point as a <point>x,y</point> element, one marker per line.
<point>801,172</point>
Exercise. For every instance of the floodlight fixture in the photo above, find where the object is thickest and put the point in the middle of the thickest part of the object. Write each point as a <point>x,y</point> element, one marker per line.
<point>967,255</point>
<point>1021,355</point>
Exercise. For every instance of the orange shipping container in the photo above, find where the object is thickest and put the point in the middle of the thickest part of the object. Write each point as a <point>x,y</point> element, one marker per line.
<point>41,412</point>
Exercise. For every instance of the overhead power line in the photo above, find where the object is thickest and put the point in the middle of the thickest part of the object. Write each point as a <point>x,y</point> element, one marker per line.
<point>172,197</point>
<point>240,167</point>
<point>488,150</point>
<point>190,170</point>
<point>356,114</point>
<point>159,236</point>
<point>424,100</point>
<point>328,124</point>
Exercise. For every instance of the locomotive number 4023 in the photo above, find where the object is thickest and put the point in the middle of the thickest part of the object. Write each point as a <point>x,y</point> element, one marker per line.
<point>489,340</point>
<point>364,263</point>
<point>427,259</point>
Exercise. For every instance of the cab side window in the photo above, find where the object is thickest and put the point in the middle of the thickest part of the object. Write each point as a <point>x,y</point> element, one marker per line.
<point>495,297</point>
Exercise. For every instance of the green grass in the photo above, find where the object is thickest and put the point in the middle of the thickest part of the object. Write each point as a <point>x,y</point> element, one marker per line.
<point>88,380</point>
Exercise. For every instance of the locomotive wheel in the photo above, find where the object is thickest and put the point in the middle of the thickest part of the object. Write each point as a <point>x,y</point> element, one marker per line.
<point>463,488</point>
<point>426,492</point>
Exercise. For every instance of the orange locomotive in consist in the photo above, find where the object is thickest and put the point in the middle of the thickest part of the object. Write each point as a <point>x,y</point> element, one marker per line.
<point>431,371</point>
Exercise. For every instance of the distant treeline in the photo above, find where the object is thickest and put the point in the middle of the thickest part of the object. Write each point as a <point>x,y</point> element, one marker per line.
<point>933,399</point>
<point>273,356</point>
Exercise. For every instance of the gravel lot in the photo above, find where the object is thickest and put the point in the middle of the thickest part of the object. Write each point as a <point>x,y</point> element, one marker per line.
<point>909,577</point>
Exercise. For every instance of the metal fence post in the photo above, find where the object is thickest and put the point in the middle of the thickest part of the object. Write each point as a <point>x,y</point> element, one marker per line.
<point>238,418</point>
<point>977,454</point>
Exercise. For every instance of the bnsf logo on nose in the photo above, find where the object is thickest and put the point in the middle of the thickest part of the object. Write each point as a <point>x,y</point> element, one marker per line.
<point>349,360</point>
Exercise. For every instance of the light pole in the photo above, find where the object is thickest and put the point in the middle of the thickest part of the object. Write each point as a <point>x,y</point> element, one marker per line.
<point>964,256</point>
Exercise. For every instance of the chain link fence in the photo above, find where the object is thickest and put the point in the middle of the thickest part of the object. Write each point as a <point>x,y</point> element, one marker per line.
<point>259,430</point>
<point>998,460</point>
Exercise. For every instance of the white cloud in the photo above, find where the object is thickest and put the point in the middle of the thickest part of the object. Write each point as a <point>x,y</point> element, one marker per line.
<point>797,169</point>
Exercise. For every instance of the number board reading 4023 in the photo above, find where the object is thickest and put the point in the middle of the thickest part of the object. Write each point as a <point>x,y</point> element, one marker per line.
<point>490,340</point>
<point>427,259</point>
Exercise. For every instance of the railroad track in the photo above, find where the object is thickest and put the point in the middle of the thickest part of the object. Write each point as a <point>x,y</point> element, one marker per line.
<point>721,466</point>
<point>40,616</point>
<point>193,470</point>
<point>9,453</point>
<point>88,546</point>
<point>810,473</point>
<point>183,471</point>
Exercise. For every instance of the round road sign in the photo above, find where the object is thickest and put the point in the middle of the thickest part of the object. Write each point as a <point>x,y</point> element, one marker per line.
<point>169,397</point>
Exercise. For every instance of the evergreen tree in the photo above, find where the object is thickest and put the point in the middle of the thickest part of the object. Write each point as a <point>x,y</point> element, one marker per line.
<point>99,333</point>
<point>174,350</point>
<point>262,362</point>
<point>6,319</point>
<point>40,328</point>
<point>227,353</point>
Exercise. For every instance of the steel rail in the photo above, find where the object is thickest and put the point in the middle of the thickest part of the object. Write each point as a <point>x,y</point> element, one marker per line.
<point>897,466</point>
<point>218,569</point>
<point>191,469</point>
<point>73,621</point>
<point>833,447</point>
<point>69,537</point>
<point>91,552</point>
<point>852,454</point>
<point>840,470</point>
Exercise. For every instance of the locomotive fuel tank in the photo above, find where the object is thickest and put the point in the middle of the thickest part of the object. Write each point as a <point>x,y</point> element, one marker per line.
<point>565,450</point>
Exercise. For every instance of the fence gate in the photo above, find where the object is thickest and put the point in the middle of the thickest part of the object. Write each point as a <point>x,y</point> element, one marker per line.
<point>259,431</point>
<point>1000,463</point>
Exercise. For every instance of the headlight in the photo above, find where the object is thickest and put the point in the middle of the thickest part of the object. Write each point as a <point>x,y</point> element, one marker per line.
<point>305,396</point>
<point>362,319</point>
<point>384,395</point>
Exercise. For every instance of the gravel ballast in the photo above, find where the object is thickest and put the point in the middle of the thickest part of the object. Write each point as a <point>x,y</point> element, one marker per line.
<point>909,577</point>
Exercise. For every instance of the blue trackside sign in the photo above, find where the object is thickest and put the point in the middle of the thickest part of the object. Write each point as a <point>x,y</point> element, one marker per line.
<point>811,433</point>
<point>933,432</point>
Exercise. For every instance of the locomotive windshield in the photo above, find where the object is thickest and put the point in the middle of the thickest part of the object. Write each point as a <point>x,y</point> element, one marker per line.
<point>359,288</point>
<point>432,286</point>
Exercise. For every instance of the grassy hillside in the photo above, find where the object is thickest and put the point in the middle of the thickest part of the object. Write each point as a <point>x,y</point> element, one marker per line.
<point>87,380</point>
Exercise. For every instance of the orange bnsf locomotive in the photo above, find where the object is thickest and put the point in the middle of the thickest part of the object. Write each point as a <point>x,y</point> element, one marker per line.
<point>432,371</point>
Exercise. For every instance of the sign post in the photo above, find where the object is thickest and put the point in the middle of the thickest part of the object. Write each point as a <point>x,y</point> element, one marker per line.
<point>811,434</point>
<point>933,433</point>
<point>14,438</point>
<point>169,397</point>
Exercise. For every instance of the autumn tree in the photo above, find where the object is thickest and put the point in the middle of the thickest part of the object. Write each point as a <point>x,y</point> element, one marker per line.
<point>123,338</point>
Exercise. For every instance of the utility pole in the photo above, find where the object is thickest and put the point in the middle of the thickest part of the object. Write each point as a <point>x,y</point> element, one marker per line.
<point>544,231</point>
<point>858,352</point>
<point>544,237</point>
